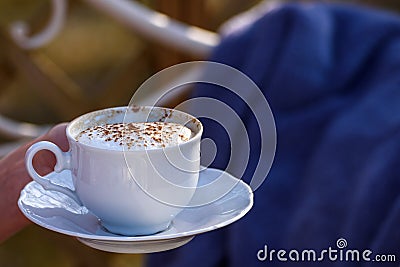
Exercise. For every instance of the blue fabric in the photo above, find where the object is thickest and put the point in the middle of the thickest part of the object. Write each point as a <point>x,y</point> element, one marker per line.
<point>331,74</point>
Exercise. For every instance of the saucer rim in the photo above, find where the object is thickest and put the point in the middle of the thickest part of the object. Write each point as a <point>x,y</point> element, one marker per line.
<point>136,247</point>
<point>32,217</point>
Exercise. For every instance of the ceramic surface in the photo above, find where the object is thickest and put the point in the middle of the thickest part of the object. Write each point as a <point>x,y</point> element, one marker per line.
<point>58,212</point>
<point>133,192</point>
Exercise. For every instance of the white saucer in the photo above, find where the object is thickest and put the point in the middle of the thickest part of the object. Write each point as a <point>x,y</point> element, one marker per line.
<point>59,213</point>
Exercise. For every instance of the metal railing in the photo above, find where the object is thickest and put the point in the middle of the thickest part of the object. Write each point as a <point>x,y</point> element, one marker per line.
<point>150,24</point>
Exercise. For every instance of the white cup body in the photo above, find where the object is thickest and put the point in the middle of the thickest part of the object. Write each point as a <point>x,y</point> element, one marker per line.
<point>135,192</point>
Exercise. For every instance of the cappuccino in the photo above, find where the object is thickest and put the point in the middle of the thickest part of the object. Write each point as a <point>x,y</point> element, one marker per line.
<point>135,135</point>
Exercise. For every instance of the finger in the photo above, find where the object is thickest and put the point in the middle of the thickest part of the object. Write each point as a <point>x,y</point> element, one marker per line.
<point>45,160</point>
<point>58,136</point>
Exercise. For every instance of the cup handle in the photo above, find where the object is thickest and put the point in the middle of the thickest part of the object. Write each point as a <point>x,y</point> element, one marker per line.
<point>63,163</point>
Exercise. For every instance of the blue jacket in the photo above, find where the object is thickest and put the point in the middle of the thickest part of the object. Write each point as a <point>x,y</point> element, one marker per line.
<point>331,74</point>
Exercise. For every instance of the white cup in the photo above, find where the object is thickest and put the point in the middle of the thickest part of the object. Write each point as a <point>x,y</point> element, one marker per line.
<point>135,192</point>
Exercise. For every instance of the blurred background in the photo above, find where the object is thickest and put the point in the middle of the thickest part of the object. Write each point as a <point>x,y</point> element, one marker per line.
<point>94,62</point>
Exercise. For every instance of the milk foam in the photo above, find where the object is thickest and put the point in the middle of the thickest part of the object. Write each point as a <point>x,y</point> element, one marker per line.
<point>135,136</point>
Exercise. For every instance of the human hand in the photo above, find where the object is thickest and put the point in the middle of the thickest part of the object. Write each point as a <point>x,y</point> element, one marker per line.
<point>45,160</point>
<point>14,176</point>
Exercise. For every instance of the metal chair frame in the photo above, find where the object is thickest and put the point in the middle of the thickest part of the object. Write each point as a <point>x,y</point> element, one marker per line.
<point>150,24</point>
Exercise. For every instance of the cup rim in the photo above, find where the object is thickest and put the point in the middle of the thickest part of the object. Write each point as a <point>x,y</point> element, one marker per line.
<point>124,109</point>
